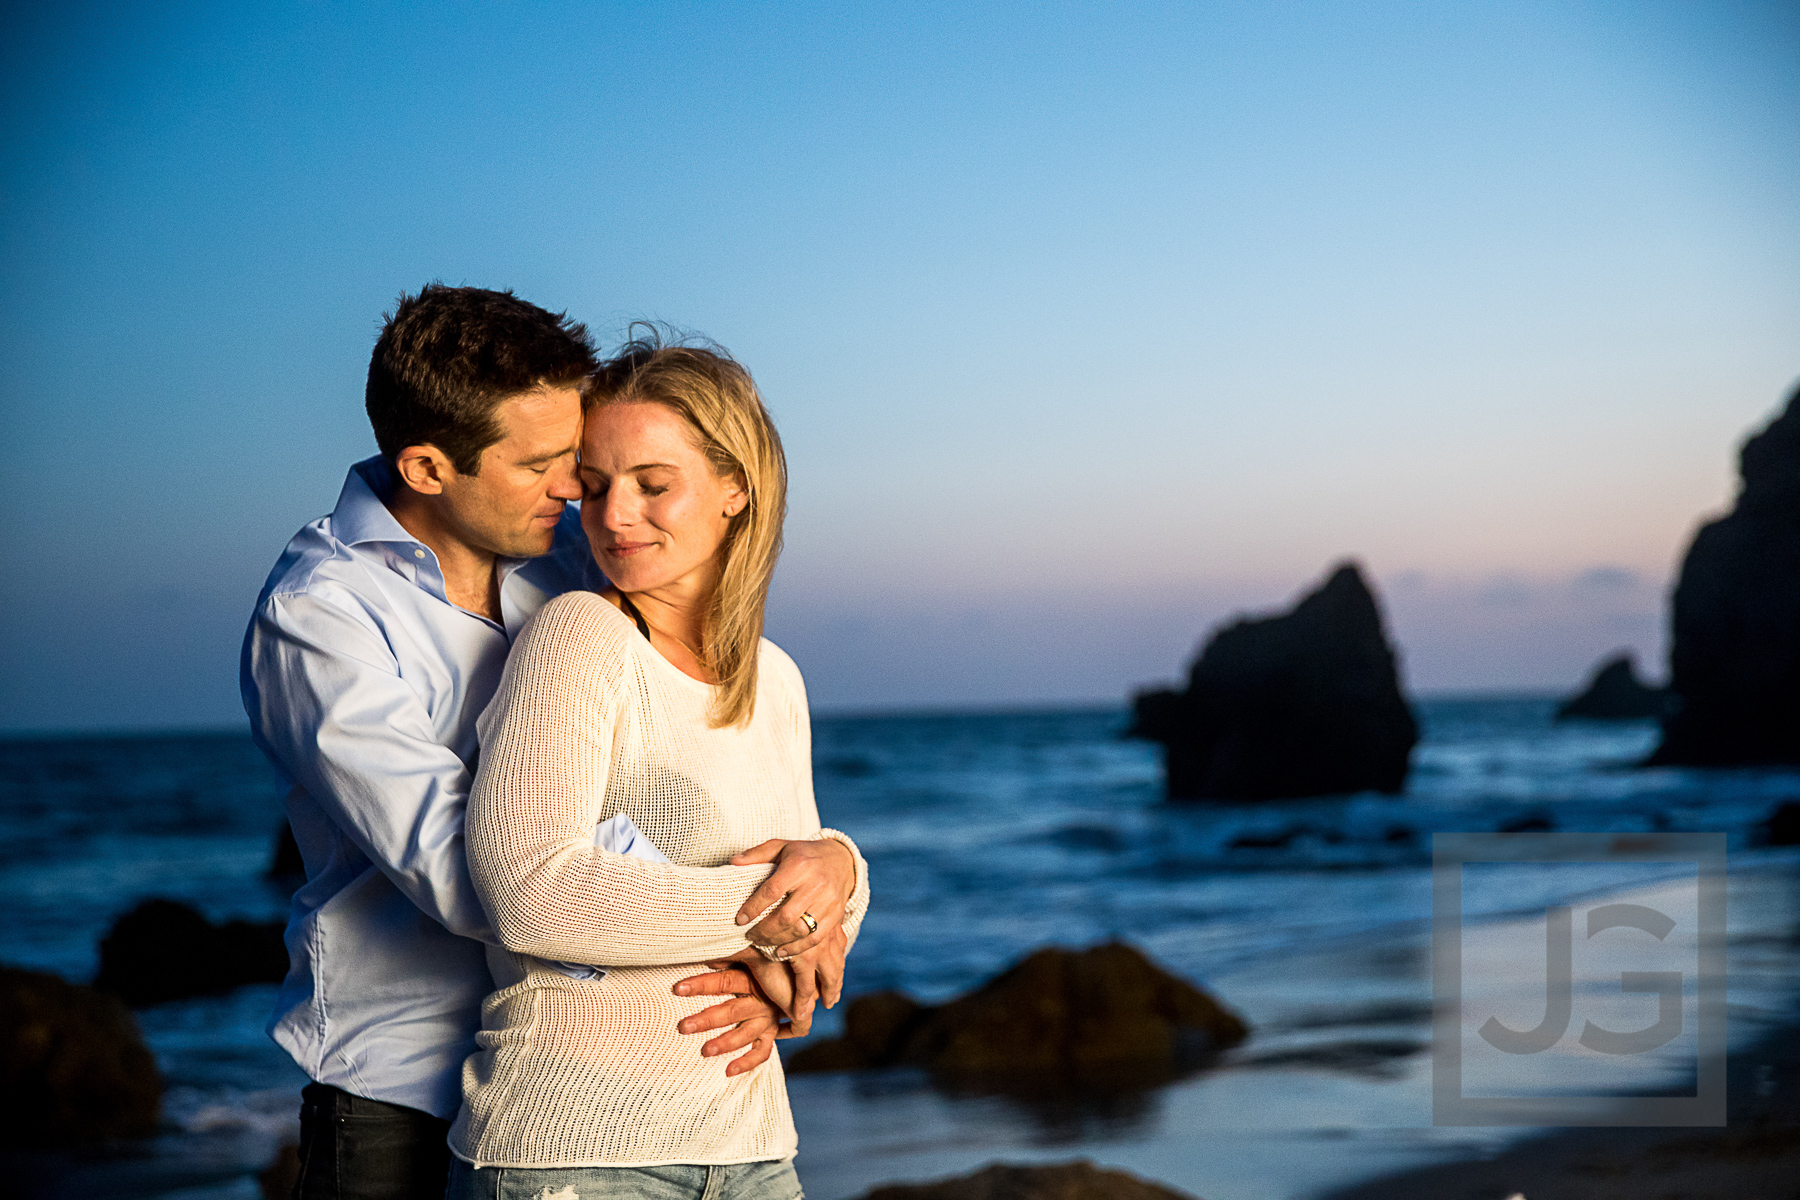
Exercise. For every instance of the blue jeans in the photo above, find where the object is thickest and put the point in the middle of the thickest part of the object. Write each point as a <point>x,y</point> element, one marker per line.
<point>739,1181</point>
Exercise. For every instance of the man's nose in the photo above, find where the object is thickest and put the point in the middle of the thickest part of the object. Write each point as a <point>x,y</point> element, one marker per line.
<point>564,484</point>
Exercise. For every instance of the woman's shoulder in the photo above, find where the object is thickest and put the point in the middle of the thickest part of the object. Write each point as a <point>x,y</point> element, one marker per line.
<point>582,625</point>
<point>780,669</point>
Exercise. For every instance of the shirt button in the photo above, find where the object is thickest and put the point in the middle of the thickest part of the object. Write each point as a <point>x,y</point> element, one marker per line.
<point>418,554</point>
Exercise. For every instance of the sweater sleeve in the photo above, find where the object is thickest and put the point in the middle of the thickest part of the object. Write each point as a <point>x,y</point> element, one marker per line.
<point>546,749</point>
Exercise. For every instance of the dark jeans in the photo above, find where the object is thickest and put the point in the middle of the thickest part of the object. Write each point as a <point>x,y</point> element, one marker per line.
<point>357,1149</point>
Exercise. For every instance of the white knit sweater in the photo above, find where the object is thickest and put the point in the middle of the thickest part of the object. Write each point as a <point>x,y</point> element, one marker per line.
<point>589,722</point>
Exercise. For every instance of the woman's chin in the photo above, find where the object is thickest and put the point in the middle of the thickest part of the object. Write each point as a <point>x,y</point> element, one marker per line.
<point>623,577</point>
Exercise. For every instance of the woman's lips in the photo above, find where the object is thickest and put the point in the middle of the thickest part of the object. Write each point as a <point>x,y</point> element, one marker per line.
<point>627,549</point>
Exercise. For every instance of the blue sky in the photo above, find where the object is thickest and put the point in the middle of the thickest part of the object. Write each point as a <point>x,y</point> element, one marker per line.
<point>1086,325</point>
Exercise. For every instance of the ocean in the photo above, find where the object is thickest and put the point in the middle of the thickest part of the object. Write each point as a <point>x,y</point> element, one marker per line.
<point>988,834</point>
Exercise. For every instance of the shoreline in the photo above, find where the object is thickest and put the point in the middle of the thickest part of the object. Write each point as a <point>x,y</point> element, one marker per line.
<point>1754,1156</point>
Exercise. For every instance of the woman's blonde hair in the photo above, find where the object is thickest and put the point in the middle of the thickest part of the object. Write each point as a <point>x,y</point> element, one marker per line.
<point>718,399</point>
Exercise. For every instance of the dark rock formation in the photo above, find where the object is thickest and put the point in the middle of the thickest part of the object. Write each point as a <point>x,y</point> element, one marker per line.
<point>285,864</point>
<point>1734,658</point>
<point>73,1066</point>
<point>1783,826</point>
<point>279,1179</point>
<point>1106,1015</point>
<point>1615,693</point>
<point>1078,1180</point>
<point>1303,704</point>
<point>162,950</point>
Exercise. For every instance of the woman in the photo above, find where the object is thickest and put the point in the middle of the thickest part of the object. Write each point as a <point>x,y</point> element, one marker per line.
<point>660,701</point>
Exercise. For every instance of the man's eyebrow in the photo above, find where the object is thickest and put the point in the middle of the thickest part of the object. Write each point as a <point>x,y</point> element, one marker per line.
<point>543,458</point>
<point>590,469</point>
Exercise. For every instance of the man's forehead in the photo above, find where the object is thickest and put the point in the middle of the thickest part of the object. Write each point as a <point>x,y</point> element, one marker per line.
<point>540,415</point>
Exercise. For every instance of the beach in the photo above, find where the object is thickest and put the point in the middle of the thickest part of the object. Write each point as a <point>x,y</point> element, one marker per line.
<point>1309,918</point>
<point>1755,1157</point>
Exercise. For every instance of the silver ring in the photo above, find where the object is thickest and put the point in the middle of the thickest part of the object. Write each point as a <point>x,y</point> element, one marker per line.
<point>812,926</point>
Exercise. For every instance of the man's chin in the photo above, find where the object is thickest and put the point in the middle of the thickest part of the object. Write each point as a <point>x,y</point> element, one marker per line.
<point>533,545</point>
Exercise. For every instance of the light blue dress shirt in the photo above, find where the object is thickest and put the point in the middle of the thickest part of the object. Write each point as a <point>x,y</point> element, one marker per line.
<point>363,684</point>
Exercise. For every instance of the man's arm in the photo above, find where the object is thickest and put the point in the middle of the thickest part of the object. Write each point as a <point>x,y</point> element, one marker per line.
<point>327,703</point>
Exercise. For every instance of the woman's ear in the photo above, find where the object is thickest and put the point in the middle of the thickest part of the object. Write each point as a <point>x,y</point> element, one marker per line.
<point>737,496</point>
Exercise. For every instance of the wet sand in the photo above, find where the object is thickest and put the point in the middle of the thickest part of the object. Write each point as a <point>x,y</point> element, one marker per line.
<point>1334,1088</point>
<point>1756,1156</point>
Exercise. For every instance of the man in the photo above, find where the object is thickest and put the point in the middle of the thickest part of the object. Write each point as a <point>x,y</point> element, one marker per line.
<point>376,643</point>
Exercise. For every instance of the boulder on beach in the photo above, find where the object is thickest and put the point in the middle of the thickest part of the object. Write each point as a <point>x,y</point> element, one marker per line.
<point>1307,703</point>
<point>1734,655</point>
<point>282,1176</point>
<point>1078,1180</point>
<point>73,1065</point>
<point>1615,693</point>
<point>1097,1016</point>
<point>163,950</point>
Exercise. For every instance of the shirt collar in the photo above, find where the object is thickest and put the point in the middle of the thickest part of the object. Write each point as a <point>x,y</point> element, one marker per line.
<point>362,514</point>
<point>362,517</point>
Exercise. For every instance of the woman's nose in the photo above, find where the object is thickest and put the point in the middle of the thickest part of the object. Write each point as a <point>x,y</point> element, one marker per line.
<point>619,511</point>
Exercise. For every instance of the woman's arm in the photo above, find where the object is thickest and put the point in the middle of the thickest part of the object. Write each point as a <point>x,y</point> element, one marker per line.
<point>815,877</point>
<point>546,746</point>
<point>816,954</point>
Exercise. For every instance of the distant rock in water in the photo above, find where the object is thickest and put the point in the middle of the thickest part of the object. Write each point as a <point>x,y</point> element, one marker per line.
<point>1307,703</point>
<point>1615,693</point>
<point>73,1066</point>
<point>162,950</point>
<point>1734,657</point>
<point>1102,1016</point>
<point>1078,1180</point>
<point>285,863</point>
<point>1782,827</point>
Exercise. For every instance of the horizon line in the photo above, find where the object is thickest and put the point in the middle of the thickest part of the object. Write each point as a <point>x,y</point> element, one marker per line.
<point>1002,708</point>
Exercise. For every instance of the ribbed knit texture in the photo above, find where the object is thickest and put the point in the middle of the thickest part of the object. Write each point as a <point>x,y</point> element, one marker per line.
<point>589,722</point>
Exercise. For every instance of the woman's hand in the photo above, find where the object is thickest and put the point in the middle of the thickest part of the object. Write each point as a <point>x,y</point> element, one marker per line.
<point>754,1019</point>
<point>818,974</point>
<point>817,877</point>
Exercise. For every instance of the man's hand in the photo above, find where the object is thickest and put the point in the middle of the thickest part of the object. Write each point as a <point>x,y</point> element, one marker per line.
<point>795,985</point>
<point>753,1019</point>
<point>817,877</point>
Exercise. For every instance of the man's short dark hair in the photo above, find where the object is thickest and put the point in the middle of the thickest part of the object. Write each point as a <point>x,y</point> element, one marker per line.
<point>449,355</point>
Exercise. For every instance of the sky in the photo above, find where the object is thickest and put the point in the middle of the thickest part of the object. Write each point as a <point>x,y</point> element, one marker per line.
<point>1087,326</point>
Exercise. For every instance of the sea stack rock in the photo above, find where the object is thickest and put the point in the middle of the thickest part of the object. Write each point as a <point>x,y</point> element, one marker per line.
<point>1614,693</point>
<point>1307,703</point>
<point>1734,657</point>
<point>73,1066</point>
<point>1102,1016</point>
